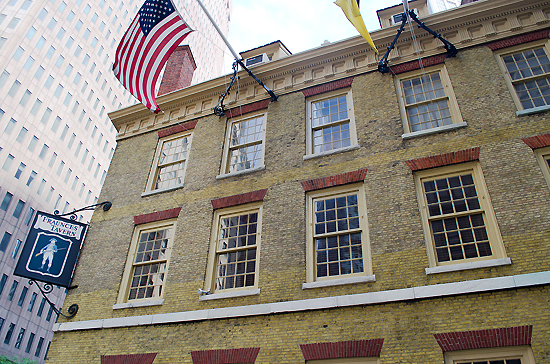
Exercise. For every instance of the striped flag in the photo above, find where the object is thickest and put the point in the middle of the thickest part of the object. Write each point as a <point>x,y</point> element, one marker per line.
<point>152,36</point>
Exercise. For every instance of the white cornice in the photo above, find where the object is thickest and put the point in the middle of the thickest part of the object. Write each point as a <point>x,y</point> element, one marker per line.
<point>466,26</point>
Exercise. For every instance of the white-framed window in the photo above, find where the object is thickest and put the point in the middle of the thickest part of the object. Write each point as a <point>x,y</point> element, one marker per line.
<point>427,100</point>
<point>502,355</point>
<point>245,144</point>
<point>526,69</point>
<point>337,235</point>
<point>170,162</point>
<point>235,246</point>
<point>543,157</point>
<point>147,263</point>
<point>331,123</point>
<point>457,216</point>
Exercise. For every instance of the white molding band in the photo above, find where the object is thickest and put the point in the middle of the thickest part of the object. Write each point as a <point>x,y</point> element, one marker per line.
<point>369,298</point>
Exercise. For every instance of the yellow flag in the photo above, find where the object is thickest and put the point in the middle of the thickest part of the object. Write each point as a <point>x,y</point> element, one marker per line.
<point>351,9</point>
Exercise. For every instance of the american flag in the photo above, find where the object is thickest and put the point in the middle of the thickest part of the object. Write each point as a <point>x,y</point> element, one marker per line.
<point>152,36</point>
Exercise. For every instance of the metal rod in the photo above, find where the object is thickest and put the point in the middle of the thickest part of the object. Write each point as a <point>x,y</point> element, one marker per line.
<point>237,57</point>
<point>218,29</point>
<point>451,49</point>
<point>106,206</point>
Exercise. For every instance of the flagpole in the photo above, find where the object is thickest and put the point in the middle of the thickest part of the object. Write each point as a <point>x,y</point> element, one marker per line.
<point>235,55</point>
<point>218,30</point>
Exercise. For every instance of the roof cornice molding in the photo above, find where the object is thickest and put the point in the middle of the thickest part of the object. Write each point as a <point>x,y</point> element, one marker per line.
<point>466,26</point>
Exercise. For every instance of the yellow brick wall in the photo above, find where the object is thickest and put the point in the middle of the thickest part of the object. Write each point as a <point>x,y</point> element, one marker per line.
<point>518,192</point>
<point>407,329</point>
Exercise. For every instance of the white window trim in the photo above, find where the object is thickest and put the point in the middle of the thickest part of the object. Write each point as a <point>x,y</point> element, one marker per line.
<point>240,173</point>
<point>449,93</point>
<point>231,294</point>
<point>330,152</point>
<point>122,299</point>
<point>226,149</point>
<point>366,276</point>
<point>523,351</point>
<point>339,282</point>
<point>154,165</point>
<point>437,130</point>
<point>493,231</point>
<point>351,116</point>
<point>542,154</point>
<point>470,265</point>
<point>544,43</point>
<point>209,284</point>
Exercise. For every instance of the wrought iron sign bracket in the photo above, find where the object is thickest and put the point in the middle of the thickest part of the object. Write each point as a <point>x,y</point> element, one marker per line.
<point>48,288</point>
<point>105,204</point>
<point>449,47</point>
<point>219,109</point>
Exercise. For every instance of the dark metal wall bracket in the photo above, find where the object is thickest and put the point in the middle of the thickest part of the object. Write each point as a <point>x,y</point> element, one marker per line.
<point>72,215</point>
<point>383,64</point>
<point>219,109</point>
<point>48,288</point>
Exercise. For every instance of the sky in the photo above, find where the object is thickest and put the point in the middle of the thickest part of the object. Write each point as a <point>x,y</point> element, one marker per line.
<point>299,24</point>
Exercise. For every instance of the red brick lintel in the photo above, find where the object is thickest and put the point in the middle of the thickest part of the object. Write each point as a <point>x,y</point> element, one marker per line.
<point>327,87</point>
<point>337,180</point>
<point>538,141</point>
<point>190,125</point>
<point>519,39</point>
<point>225,356</point>
<point>245,109</point>
<point>342,349</point>
<point>236,200</point>
<point>446,159</point>
<point>128,358</point>
<point>415,65</point>
<point>157,216</point>
<point>482,339</point>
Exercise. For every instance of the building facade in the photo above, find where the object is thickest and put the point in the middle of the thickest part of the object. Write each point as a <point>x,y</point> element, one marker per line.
<point>361,218</point>
<point>56,140</point>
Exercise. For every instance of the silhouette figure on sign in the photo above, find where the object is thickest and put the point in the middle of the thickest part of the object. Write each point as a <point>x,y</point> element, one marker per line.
<point>47,254</point>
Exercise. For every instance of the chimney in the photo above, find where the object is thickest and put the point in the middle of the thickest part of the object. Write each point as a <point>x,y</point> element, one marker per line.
<point>179,70</point>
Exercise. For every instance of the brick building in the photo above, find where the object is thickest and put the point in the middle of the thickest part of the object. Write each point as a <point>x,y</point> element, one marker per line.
<point>361,218</point>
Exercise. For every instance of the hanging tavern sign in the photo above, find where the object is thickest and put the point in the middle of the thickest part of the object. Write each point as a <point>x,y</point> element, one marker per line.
<point>51,249</point>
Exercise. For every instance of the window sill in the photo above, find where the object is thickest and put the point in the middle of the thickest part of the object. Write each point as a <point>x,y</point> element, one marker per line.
<point>534,110</point>
<point>119,306</point>
<point>217,296</point>
<point>439,129</point>
<point>154,192</point>
<point>339,282</point>
<point>240,173</point>
<point>471,265</point>
<point>341,150</point>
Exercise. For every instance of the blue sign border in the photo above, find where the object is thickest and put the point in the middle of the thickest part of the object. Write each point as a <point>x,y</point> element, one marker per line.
<point>51,249</point>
